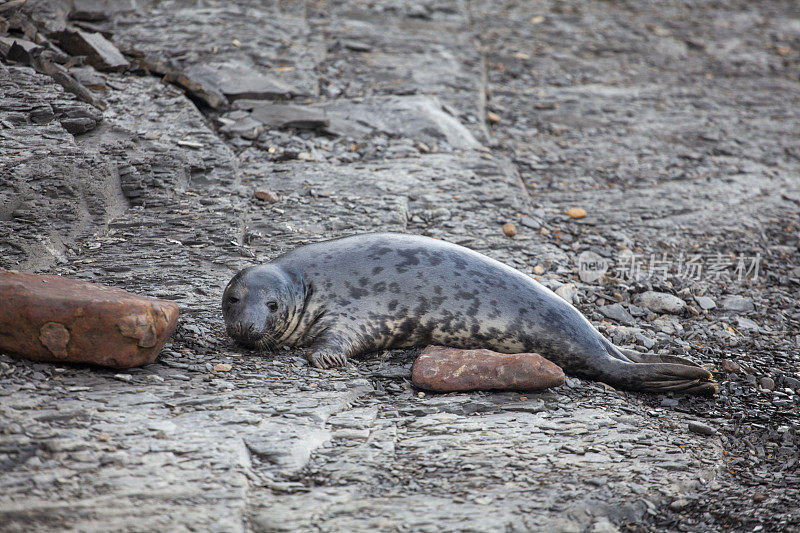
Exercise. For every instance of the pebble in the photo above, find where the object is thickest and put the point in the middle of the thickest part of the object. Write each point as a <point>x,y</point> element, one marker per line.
<point>509,229</point>
<point>576,212</point>
<point>529,222</point>
<point>617,312</point>
<point>660,302</point>
<point>792,382</point>
<point>645,341</point>
<point>705,302</point>
<point>701,429</point>
<point>767,383</point>
<point>745,324</point>
<point>266,196</point>
<point>739,304</point>
<point>222,367</point>
<point>568,292</point>
<point>730,366</point>
<point>679,504</point>
<point>124,377</point>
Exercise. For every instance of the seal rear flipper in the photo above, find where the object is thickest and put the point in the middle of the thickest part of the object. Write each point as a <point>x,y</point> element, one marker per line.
<point>640,357</point>
<point>659,377</point>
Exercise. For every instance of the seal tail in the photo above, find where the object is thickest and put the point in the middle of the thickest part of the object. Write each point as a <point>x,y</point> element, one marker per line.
<point>655,373</point>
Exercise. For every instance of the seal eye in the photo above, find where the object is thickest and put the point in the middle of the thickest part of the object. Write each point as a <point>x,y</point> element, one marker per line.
<point>272,305</point>
<point>233,299</point>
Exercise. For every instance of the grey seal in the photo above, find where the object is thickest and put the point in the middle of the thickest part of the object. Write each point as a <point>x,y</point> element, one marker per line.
<point>365,293</point>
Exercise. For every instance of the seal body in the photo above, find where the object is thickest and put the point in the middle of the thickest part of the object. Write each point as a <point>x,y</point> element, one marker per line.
<point>372,292</point>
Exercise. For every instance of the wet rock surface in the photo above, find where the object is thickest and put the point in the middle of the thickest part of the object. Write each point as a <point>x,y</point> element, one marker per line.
<point>672,126</point>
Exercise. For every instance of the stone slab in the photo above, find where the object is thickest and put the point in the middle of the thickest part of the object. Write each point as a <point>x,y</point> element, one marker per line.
<point>443,369</point>
<point>99,51</point>
<point>55,319</point>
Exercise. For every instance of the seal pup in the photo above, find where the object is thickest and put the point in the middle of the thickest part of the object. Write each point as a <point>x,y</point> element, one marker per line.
<point>371,292</point>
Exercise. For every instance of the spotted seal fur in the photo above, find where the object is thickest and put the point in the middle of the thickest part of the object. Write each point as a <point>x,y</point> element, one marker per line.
<point>365,293</point>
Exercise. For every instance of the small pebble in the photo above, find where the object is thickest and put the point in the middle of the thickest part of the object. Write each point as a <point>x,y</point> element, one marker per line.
<point>738,303</point>
<point>677,505</point>
<point>530,222</point>
<point>509,229</point>
<point>568,292</point>
<point>266,196</point>
<point>222,367</point>
<point>767,383</point>
<point>576,212</point>
<point>705,302</point>
<point>701,429</point>
<point>730,366</point>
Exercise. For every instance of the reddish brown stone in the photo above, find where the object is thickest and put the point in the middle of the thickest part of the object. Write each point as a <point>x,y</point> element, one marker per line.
<point>50,318</point>
<point>442,369</point>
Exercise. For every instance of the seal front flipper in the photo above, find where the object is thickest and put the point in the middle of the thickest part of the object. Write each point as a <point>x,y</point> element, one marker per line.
<point>328,351</point>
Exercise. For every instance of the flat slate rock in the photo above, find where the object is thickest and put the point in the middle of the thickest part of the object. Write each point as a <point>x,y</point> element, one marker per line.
<point>20,50</point>
<point>289,116</point>
<point>420,118</point>
<point>738,303</point>
<point>55,319</point>
<point>617,312</point>
<point>661,302</point>
<point>99,51</point>
<point>705,302</point>
<point>238,80</point>
<point>443,369</point>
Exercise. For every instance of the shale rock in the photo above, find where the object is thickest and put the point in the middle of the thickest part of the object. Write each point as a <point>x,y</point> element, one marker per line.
<point>661,302</point>
<point>99,51</point>
<point>238,80</point>
<point>289,116</point>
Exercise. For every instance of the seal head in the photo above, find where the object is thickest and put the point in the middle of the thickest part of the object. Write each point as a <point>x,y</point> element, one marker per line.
<point>259,305</point>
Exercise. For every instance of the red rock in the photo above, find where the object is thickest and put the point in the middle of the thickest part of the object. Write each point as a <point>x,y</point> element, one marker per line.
<point>443,369</point>
<point>50,318</point>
